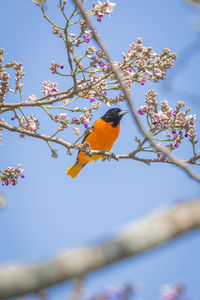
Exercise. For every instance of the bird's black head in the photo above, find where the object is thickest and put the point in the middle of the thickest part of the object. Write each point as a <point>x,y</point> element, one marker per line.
<point>114,116</point>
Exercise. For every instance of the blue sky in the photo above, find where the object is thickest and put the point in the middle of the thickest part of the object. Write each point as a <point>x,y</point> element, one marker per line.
<point>48,212</point>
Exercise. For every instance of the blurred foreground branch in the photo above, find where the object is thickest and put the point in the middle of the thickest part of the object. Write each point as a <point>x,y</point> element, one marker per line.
<point>141,236</point>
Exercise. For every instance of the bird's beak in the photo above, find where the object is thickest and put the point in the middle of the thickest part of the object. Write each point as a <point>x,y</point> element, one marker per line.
<point>123,112</point>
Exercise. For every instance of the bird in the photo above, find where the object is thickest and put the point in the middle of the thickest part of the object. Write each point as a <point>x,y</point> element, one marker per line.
<point>103,135</point>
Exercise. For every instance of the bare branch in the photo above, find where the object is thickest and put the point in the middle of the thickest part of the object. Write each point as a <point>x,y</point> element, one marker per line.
<point>44,137</point>
<point>141,236</point>
<point>41,101</point>
<point>176,161</point>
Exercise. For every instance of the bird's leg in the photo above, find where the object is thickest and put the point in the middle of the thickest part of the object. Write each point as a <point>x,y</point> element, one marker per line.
<point>87,149</point>
<point>88,152</point>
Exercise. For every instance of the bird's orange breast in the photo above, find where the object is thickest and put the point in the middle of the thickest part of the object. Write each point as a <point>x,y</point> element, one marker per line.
<point>102,137</point>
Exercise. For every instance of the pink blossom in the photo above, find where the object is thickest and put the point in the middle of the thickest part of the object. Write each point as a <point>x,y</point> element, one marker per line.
<point>87,38</point>
<point>142,110</point>
<point>49,87</point>
<point>143,81</point>
<point>99,16</point>
<point>75,120</point>
<point>171,292</point>
<point>55,66</point>
<point>105,7</point>
<point>102,64</point>
<point>10,175</point>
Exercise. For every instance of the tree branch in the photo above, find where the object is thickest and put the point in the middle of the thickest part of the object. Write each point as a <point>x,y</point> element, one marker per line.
<point>141,236</point>
<point>40,101</point>
<point>66,94</point>
<point>44,137</point>
<point>87,150</point>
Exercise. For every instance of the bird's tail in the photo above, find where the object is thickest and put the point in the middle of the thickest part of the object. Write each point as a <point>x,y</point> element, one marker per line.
<point>74,170</point>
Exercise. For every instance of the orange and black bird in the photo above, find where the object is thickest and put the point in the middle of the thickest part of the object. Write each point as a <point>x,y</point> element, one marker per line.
<point>104,133</point>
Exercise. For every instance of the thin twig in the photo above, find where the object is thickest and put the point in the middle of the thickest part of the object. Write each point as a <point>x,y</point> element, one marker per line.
<point>40,101</point>
<point>68,46</point>
<point>44,137</point>
<point>77,289</point>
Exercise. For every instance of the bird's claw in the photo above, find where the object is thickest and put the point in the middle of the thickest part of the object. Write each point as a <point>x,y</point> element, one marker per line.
<point>88,152</point>
<point>111,155</point>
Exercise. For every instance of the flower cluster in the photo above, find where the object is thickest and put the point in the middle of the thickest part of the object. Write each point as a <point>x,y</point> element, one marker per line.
<point>119,292</point>
<point>140,64</point>
<point>4,85</point>
<point>4,76</point>
<point>19,74</point>
<point>74,40</point>
<point>98,61</point>
<point>99,10</point>
<point>30,123</point>
<point>146,64</point>
<point>32,97</point>
<point>94,105</point>
<point>49,88</point>
<point>10,175</point>
<point>39,2</point>
<point>83,25</point>
<point>57,32</point>
<point>87,36</point>
<point>83,119</point>
<point>33,123</point>
<point>98,91</point>
<point>55,66</point>
<point>128,292</point>
<point>76,131</point>
<point>102,9</point>
<point>171,292</point>
<point>175,124</point>
<point>62,118</point>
